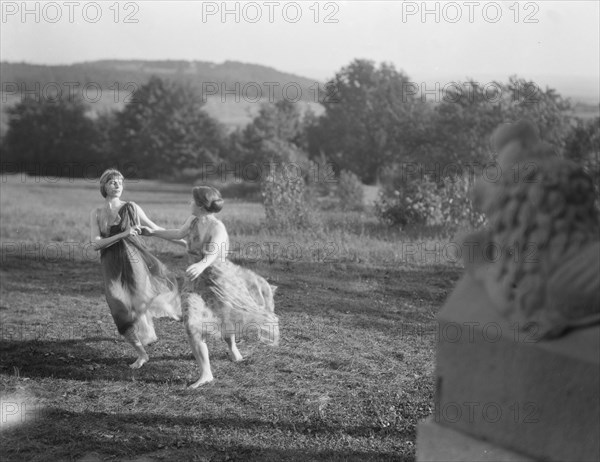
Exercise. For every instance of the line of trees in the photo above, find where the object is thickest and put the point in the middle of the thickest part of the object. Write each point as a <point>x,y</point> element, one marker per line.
<point>374,120</point>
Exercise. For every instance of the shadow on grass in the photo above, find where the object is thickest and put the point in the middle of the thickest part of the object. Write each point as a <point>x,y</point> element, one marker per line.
<point>319,282</point>
<point>381,293</point>
<point>76,360</point>
<point>59,434</point>
<point>385,299</point>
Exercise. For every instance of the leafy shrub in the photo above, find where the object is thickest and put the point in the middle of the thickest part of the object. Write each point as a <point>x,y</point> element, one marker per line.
<point>457,204</point>
<point>321,178</point>
<point>429,203</point>
<point>414,204</point>
<point>286,200</point>
<point>582,146</point>
<point>350,191</point>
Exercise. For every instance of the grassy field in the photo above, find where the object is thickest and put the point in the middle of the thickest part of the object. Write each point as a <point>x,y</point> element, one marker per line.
<point>351,378</point>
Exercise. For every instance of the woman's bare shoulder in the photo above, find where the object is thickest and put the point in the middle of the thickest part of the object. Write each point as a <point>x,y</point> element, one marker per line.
<point>218,225</point>
<point>213,228</point>
<point>219,231</point>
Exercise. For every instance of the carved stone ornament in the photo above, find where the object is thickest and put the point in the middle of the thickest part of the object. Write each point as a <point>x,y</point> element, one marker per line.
<point>539,258</point>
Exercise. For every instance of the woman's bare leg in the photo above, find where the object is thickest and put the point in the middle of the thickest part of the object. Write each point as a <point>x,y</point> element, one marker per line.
<point>234,353</point>
<point>132,337</point>
<point>200,351</point>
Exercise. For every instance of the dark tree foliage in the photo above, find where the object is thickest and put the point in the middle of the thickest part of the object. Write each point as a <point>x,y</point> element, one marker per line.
<point>457,130</point>
<point>582,145</point>
<point>164,130</point>
<point>367,119</point>
<point>276,134</point>
<point>376,123</point>
<point>50,138</point>
<point>583,142</point>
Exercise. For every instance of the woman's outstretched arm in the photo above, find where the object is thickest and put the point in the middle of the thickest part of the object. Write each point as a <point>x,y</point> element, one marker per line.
<point>153,227</point>
<point>144,220</point>
<point>171,234</point>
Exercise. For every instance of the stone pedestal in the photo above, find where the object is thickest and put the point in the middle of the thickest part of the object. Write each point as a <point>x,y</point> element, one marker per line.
<point>499,390</point>
<point>438,443</point>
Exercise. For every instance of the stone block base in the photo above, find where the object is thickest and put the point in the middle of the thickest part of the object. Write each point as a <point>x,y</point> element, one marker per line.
<point>436,443</point>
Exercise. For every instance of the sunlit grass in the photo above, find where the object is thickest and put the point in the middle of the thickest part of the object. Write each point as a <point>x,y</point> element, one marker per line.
<point>351,378</point>
<point>39,212</point>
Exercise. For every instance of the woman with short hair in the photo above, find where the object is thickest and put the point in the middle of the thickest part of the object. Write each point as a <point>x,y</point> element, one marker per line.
<point>137,285</point>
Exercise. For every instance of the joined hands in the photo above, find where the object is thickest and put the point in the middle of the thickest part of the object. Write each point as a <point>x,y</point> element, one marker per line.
<point>146,231</point>
<point>133,231</point>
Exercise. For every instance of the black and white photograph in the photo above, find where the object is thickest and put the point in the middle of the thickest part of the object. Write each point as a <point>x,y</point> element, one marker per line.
<point>300,231</point>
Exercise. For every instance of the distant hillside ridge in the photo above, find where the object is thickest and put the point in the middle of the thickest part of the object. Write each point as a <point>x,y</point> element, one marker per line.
<point>232,80</point>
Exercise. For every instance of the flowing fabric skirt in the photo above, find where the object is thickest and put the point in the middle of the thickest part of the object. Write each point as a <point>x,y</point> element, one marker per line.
<point>138,286</point>
<point>228,299</point>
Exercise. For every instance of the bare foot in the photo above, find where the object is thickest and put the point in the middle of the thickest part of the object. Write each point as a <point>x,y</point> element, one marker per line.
<point>140,362</point>
<point>235,356</point>
<point>233,353</point>
<point>204,379</point>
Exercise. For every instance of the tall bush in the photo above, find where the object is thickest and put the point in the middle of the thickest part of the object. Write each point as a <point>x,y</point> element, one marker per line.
<point>426,202</point>
<point>350,191</point>
<point>285,200</point>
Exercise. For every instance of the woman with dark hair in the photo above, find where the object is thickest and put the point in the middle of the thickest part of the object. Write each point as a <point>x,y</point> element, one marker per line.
<point>218,296</point>
<point>137,285</point>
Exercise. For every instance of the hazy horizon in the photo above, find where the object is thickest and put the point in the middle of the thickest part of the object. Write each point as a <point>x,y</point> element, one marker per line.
<point>555,44</point>
<point>580,88</point>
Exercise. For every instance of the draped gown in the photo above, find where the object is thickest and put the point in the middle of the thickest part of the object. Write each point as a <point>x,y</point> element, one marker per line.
<point>138,286</point>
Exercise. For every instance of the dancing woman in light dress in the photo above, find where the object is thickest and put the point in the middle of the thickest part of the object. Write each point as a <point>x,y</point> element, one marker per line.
<point>218,296</point>
<point>137,285</point>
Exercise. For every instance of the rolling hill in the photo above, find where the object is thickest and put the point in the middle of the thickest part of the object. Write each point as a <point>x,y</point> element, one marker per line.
<point>213,78</point>
<point>232,91</point>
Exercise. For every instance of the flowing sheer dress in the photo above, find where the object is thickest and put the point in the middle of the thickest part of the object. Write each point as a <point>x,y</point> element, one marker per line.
<point>227,298</point>
<point>138,286</point>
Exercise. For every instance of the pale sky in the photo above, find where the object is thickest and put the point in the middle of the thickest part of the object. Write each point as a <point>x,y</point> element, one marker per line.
<point>546,41</point>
